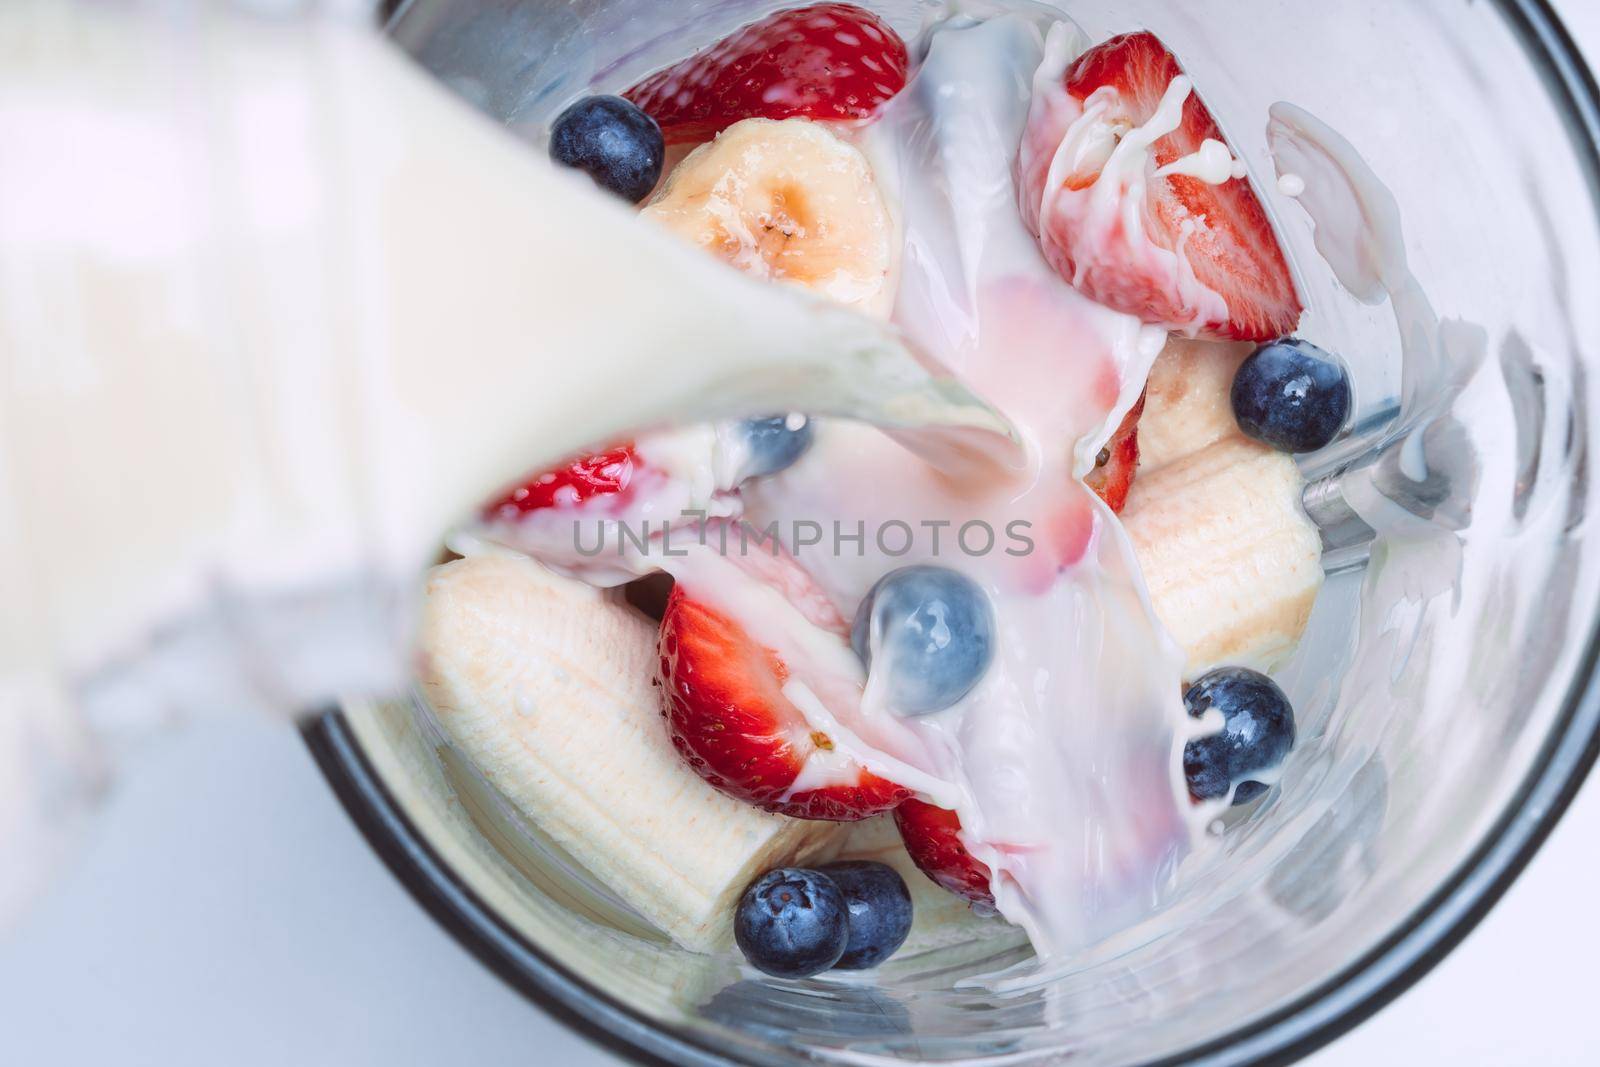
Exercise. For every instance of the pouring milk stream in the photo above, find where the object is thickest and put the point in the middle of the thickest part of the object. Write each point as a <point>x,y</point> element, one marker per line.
<point>297,358</point>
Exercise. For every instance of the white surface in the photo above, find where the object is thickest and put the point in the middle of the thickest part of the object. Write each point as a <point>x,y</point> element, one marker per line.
<point>254,927</point>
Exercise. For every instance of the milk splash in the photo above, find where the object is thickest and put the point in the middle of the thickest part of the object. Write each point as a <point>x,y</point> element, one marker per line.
<point>1063,763</point>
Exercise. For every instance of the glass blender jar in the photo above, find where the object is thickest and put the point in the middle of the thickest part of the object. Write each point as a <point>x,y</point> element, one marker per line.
<point>1446,685</point>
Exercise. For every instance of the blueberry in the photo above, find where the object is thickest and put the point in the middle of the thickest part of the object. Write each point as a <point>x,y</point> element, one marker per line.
<point>792,923</point>
<point>936,628</point>
<point>1257,733</point>
<point>880,911</point>
<point>612,141</point>
<point>1291,395</point>
<point>774,443</point>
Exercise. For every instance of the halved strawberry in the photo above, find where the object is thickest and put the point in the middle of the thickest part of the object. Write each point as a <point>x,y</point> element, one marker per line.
<point>1114,468</point>
<point>931,837</point>
<point>1200,241</point>
<point>728,717</point>
<point>825,61</point>
<point>609,473</point>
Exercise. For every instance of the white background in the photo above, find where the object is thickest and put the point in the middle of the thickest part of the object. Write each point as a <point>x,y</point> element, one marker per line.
<point>226,912</point>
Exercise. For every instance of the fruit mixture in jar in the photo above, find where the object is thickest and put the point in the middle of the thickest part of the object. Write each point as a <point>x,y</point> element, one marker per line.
<point>779,682</point>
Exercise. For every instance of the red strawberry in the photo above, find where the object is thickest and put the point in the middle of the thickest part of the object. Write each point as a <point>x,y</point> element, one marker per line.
<point>826,61</point>
<point>1112,476</point>
<point>728,717</point>
<point>1221,230</point>
<point>600,474</point>
<point>931,837</point>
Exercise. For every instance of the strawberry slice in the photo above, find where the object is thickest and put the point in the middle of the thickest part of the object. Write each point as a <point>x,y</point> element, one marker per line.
<point>1114,468</point>
<point>608,474</point>
<point>728,717</point>
<point>825,61</point>
<point>931,836</point>
<point>1207,258</point>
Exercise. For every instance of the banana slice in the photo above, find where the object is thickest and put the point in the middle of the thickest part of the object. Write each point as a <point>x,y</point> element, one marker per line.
<point>546,686</point>
<point>1186,400</point>
<point>787,201</point>
<point>1232,563</point>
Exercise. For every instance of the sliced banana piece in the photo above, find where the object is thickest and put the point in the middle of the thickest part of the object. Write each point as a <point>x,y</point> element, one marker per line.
<point>788,201</point>
<point>545,684</point>
<point>1232,563</point>
<point>1186,403</point>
